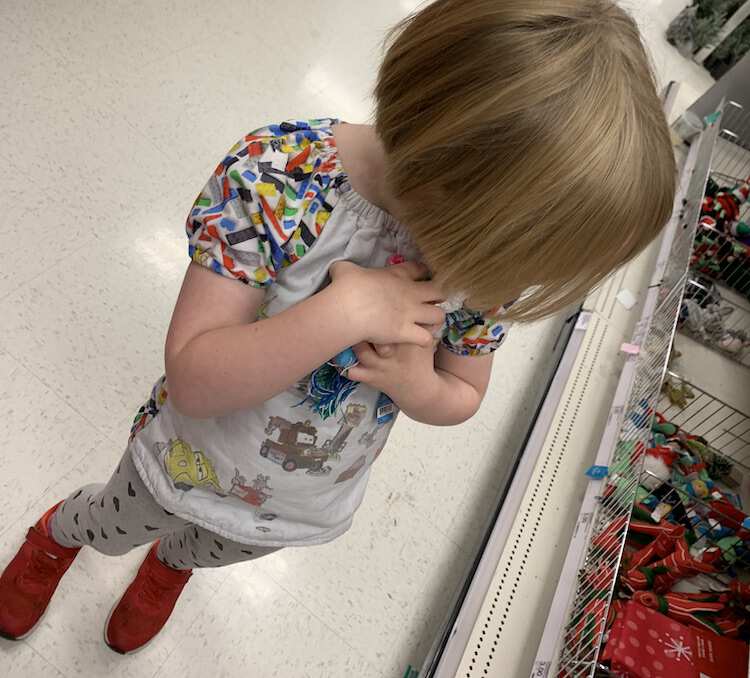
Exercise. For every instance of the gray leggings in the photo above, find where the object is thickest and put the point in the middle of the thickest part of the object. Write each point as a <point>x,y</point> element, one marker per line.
<point>122,515</point>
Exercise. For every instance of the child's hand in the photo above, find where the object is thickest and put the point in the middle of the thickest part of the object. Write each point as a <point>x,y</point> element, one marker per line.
<point>389,305</point>
<point>402,371</point>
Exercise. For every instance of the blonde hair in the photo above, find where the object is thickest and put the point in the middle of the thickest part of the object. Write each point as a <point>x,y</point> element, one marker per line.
<point>526,146</point>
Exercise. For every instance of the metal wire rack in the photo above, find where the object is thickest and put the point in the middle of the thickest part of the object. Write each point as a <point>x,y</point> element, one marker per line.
<point>717,307</point>
<point>727,432</point>
<point>597,575</point>
<point>595,583</point>
<point>718,318</point>
<point>724,427</point>
<point>722,247</point>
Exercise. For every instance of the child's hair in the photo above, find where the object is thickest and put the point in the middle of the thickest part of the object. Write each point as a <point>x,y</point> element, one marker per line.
<point>526,145</point>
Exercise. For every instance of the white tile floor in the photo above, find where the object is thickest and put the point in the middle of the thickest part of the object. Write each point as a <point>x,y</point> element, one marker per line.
<point>112,116</point>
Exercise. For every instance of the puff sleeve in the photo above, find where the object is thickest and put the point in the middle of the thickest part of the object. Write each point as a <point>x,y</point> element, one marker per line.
<point>225,229</point>
<point>474,333</point>
<point>266,202</point>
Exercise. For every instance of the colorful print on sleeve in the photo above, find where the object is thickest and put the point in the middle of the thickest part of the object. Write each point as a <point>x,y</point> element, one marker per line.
<point>472,333</point>
<point>267,201</point>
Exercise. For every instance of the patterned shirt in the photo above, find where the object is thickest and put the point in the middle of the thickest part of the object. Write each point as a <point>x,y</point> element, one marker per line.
<point>276,213</point>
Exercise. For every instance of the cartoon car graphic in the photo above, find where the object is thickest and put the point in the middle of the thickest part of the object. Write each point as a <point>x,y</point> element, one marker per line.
<point>255,493</point>
<point>296,446</point>
<point>189,468</point>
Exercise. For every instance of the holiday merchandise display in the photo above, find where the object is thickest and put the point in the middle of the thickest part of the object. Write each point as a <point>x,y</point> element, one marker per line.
<point>722,244</point>
<point>644,643</point>
<point>708,324</point>
<point>681,600</point>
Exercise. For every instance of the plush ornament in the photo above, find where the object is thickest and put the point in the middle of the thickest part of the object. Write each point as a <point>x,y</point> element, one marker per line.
<point>693,480</point>
<point>707,324</point>
<point>657,463</point>
<point>659,439</point>
<point>697,446</point>
<point>711,528</point>
<point>691,317</point>
<point>691,468</point>
<point>660,575</point>
<point>328,386</point>
<point>697,488</point>
<point>704,258</point>
<point>701,610</point>
<point>741,231</point>
<point>661,425</point>
<point>708,222</point>
<point>662,510</point>
<point>713,321</point>
<point>734,341</point>
<point>732,549</point>
<point>724,205</point>
<point>718,466</point>
<point>643,527</point>
<point>660,547</point>
<point>678,395</point>
<point>727,513</point>
<point>647,499</point>
<point>620,484</point>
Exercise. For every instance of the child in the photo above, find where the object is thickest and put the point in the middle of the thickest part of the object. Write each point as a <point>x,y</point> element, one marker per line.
<point>519,154</point>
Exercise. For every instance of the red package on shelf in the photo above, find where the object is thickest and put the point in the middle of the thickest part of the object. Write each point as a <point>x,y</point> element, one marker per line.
<point>646,644</point>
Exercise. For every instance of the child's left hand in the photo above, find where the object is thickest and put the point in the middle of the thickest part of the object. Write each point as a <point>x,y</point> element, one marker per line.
<point>399,370</point>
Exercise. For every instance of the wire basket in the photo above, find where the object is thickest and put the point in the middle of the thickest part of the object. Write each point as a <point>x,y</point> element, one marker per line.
<point>596,577</point>
<point>726,431</point>
<point>721,250</point>
<point>718,318</point>
<point>724,427</point>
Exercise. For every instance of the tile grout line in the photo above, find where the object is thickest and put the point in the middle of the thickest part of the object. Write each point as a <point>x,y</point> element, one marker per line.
<point>428,520</point>
<point>67,67</point>
<point>44,659</point>
<point>23,284</point>
<point>57,394</point>
<point>315,616</point>
<point>72,468</point>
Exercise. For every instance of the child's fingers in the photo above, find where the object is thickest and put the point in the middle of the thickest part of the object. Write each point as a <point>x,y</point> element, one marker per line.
<point>418,335</point>
<point>366,355</point>
<point>359,373</point>
<point>429,314</point>
<point>429,291</point>
<point>384,350</point>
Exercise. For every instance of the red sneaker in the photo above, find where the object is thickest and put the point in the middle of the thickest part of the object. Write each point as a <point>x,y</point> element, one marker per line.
<point>145,606</point>
<point>30,579</point>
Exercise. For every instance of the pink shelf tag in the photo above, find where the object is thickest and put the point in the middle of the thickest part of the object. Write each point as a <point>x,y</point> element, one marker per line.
<point>630,349</point>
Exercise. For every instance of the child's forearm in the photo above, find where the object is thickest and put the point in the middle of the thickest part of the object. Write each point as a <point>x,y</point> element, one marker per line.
<point>444,400</point>
<point>239,367</point>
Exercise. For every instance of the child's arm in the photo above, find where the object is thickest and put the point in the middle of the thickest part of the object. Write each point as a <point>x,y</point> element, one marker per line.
<point>218,360</point>
<point>441,388</point>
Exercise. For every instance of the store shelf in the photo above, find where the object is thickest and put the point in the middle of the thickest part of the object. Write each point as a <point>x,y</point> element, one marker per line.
<point>512,582</point>
<point>539,576</point>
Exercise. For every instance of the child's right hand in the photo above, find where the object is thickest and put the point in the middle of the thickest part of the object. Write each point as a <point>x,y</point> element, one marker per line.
<point>391,305</point>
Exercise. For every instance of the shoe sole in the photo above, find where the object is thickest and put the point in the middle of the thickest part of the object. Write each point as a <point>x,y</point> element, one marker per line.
<point>115,649</point>
<point>44,614</point>
<point>29,632</point>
